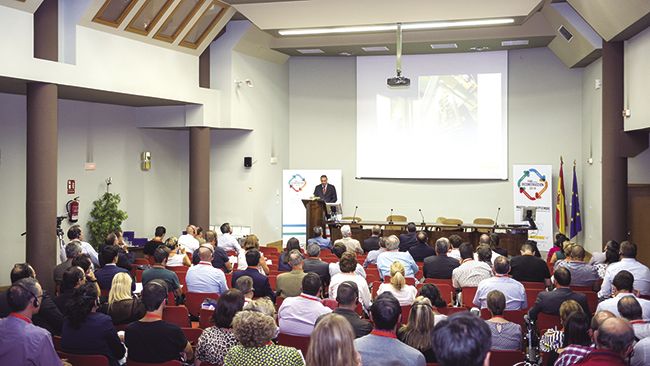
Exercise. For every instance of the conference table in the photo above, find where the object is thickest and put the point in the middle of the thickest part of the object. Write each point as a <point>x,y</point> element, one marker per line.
<point>511,237</point>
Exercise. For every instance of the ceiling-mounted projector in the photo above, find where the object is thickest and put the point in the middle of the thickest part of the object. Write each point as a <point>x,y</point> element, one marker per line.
<point>399,81</point>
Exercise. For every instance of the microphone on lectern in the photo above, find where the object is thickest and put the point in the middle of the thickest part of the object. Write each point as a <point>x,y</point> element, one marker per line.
<point>390,218</point>
<point>496,220</point>
<point>422,216</point>
<point>354,216</point>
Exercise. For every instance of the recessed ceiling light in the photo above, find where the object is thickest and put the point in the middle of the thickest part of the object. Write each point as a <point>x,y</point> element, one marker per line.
<point>441,46</point>
<point>310,51</point>
<point>392,27</point>
<point>375,49</point>
<point>479,48</point>
<point>517,42</point>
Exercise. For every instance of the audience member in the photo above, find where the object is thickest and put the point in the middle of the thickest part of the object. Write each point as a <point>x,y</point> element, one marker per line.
<point>489,255</point>
<point>319,240</point>
<point>623,285</point>
<point>506,335</point>
<point>409,238</point>
<point>21,342</point>
<point>48,315</point>
<point>152,339</point>
<point>122,307</point>
<point>553,339</point>
<point>549,302</point>
<point>245,285</point>
<point>76,235</point>
<point>348,264</point>
<point>512,289</point>
<point>385,260</point>
<point>462,339</point>
<point>332,343</point>
<point>494,245</point>
<point>601,257</point>
<point>558,245</point>
<point>261,285</point>
<point>177,255</point>
<point>455,241</point>
<point>431,292</point>
<point>262,305</point>
<point>418,331</point>
<point>289,284</point>
<point>352,245</point>
<point>630,309</point>
<point>381,346</point>
<point>614,341</point>
<point>159,272</point>
<point>297,315</point>
<point>227,241</point>
<point>371,258</point>
<point>205,278</point>
<point>254,331</point>
<point>104,275</point>
<point>347,297</point>
<point>628,263</point>
<point>314,264</point>
<point>198,235</point>
<point>440,265</point>
<point>219,256</point>
<point>335,268</point>
<point>124,258</point>
<point>561,255</point>
<point>578,350</point>
<point>576,336</point>
<point>612,255</point>
<point>372,243</point>
<point>470,272</point>
<point>151,245</point>
<point>421,249</point>
<point>215,341</point>
<point>159,234</point>
<point>72,250</point>
<point>188,240</point>
<point>86,331</point>
<point>283,261</point>
<point>404,293</point>
<point>528,268</point>
<point>582,274</point>
<point>251,241</point>
<point>73,277</point>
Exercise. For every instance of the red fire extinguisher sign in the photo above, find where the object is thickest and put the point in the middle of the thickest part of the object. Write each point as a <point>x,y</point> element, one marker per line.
<point>71,186</point>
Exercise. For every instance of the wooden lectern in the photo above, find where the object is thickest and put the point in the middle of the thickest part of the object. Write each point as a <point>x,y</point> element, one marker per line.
<point>315,215</point>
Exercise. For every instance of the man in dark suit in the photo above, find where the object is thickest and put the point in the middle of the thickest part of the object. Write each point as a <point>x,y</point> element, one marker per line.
<point>261,286</point>
<point>314,264</point>
<point>409,239</point>
<point>440,265</point>
<point>421,249</point>
<point>325,191</point>
<point>347,295</point>
<point>109,256</point>
<point>549,302</point>
<point>372,243</point>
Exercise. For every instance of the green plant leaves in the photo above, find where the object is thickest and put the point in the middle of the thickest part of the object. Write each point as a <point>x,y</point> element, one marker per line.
<point>106,217</point>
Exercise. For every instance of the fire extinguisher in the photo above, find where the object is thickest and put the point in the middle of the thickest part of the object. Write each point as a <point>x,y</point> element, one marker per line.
<point>73,209</point>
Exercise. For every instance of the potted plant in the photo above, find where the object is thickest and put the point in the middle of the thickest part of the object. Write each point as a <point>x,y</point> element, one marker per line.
<point>106,217</point>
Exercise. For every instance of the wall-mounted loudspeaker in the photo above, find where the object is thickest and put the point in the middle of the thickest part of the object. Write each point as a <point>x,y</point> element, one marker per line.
<point>248,161</point>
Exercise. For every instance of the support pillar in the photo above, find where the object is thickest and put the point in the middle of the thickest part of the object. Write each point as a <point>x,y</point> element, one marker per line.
<point>42,146</point>
<point>614,169</point>
<point>200,176</point>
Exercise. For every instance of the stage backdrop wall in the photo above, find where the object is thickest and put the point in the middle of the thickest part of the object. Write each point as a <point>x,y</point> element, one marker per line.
<point>533,192</point>
<point>298,184</point>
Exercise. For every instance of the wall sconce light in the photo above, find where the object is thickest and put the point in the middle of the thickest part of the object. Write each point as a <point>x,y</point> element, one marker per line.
<point>145,161</point>
<point>247,82</point>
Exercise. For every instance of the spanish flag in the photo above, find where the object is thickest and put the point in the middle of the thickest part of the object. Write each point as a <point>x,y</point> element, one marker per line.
<point>560,205</point>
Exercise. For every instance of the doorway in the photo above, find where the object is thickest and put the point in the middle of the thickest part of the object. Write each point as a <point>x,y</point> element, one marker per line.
<point>638,218</point>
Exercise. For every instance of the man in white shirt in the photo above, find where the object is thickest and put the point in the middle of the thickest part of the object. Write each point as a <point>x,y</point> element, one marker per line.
<point>455,241</point>
<point>205,278</point>
<point>623,286</point>
<point>512,289</point>
<point>297,315</point>
<point>470,272</point>
<point>76,235</point>
<point>227,241</point>
<point>629,263</point>
<point>351,244</point>
<point>188,241</point>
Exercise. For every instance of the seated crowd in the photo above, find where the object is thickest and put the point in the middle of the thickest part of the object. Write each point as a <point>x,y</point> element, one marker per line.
<point>389,301</point>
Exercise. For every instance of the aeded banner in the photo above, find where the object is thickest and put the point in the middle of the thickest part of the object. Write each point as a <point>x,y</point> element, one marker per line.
<point>533,200</point>
<point>299,184</point>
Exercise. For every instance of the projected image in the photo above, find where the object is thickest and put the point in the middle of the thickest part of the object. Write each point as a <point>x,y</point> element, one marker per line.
<point>449,101</point>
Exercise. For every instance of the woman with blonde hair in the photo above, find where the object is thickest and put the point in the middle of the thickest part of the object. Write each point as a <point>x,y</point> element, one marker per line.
<point>404,293</point>
<point>251,242</point>
<point>122,307</point>
<point>418,332</point>
<point>332,343</point>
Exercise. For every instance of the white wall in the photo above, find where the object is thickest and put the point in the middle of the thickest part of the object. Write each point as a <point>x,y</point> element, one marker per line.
<point>544,111</point>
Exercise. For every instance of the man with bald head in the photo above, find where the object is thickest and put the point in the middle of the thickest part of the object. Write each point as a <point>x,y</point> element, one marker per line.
<point>203,277</point>
<point>630,309</point>
<point>614,340</point>
<point>187,240</point>
<point>574,352</point>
